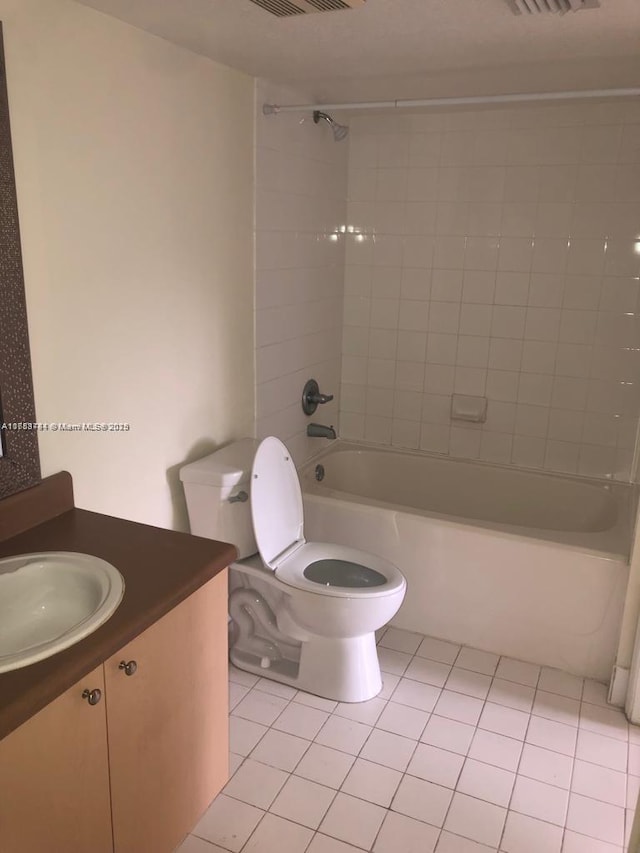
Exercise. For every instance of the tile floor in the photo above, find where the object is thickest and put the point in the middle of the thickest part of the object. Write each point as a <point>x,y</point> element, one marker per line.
<point>462,752</point>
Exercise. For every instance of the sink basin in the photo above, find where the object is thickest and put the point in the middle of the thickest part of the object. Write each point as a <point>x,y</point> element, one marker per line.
<point>50,601</point>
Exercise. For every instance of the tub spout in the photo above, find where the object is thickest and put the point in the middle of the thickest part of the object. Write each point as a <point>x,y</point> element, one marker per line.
<point>321,431</point>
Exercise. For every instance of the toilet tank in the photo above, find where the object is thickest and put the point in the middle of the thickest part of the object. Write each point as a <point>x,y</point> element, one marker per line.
<point>209,483</point>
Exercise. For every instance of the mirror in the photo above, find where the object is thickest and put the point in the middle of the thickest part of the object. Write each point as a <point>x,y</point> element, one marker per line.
<point>19,459</point>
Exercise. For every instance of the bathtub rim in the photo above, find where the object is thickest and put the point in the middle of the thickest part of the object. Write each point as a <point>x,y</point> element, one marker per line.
<point>625,494</point>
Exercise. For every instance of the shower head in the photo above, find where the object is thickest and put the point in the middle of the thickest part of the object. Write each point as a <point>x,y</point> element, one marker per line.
<point>340,131</point>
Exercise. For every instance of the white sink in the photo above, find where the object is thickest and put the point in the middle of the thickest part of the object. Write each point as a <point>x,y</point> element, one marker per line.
<point>50,601</point>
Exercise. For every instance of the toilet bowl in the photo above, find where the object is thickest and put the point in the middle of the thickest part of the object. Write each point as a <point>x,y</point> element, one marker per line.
<point>302,613</point>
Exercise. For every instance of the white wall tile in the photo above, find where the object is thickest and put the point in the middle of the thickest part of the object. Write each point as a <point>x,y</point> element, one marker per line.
<point>449,252</point>
<point>569,393</point>
<point>383,343</point>
<point>573,360</point>
<point>411,345</point>
<point>391,184</point>
<point>416,284</point>
<point>553,218</point>
<point>387,250</point>
<point>503,263</point>
<point>516,254</point>
<point>596,183</point>
<point>377,429</point>
<point>532,420</point>
<point>384,313</point>
<point>441,348</point>
<point>444,317</point>
<point>420,217</point>
<point>496,447</point>
<point>439,378</point>
<point>446,285</point>
<point>512,288</point>
<point>582,292</point>
<point>410,375</point>
<point>505,354</point>
<point>452,217</point>
<point>301,198</point>
<point>481,253</point>
<point>465,443</point>
<point>385,282</point>
<point>546,290</point>
<point>352,425</point>
<point>508,322</point>
<point>501,417</point>
<point>422,184</point>
<point>518,219</point>
<point>435,438</point>
<point>522,184</point>
<point>502,385</point>
<point>535,388</point>
<point>470,380</point>
<point>413,315</point>
<point>539,357</point>
<point>379,401</point>
<point>479,286</point>
<point>473,351</point>
<point>405,433</point>
<point>562,456</point>
<point>475,319</point>
<point>381,372</point>
<point>542,324</point>
<point>528,452</point>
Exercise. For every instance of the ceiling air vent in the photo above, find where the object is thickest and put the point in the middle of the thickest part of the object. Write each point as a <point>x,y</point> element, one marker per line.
<point>555,7</point>
<point>285,8</point>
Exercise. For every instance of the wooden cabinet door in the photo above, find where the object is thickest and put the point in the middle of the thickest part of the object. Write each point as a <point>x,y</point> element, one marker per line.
<point>168,723</point>
<point>54,778</point>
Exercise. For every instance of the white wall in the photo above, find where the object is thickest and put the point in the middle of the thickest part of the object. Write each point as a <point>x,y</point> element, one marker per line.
<point>300,207</point>
<point>134,171</point>
<point>496,256</point>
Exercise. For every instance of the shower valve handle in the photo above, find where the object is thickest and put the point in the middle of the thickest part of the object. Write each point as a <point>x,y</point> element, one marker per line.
<point>320,398</point>
<point>312,398</point>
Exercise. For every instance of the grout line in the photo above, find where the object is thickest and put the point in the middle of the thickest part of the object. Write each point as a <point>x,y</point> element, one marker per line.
<point>417,741</point>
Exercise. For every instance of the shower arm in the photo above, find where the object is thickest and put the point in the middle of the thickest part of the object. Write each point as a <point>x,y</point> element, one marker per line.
<point>270,109</point>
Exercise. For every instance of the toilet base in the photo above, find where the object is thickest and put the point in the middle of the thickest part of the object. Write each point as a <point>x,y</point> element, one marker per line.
<point>345,670</point>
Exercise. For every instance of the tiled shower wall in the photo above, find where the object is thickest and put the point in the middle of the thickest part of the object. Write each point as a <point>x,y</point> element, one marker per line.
<point>497,254</point>
<point>301,181</point>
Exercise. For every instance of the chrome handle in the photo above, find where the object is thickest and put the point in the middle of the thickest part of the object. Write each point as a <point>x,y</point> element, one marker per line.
<point>241,497</point>
<point>92,696</point>
<point>130,667</point>
<point>319,399</point>
<point>312,398</point>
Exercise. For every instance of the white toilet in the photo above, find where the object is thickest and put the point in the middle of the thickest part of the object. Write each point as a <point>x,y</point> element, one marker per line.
<point>303,613</point>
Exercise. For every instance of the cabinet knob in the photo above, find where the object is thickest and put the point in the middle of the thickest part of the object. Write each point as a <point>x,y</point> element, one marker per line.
<point>129,666</point>
<point>92,696</point>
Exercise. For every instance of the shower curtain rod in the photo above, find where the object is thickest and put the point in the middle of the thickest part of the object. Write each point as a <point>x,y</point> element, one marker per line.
<point>269,109</point>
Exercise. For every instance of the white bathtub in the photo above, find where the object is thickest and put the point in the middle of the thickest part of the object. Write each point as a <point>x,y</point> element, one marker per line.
<point>524,564</point>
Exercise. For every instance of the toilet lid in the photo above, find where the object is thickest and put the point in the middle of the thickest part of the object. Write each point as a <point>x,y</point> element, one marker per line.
<point>276,502</point>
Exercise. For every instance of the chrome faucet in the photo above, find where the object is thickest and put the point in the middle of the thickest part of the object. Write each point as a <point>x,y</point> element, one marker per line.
<point>321,431</point>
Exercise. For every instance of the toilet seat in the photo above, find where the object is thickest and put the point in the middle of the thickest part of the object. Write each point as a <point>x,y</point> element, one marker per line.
<point>291,571</point>
<point>278,522</point>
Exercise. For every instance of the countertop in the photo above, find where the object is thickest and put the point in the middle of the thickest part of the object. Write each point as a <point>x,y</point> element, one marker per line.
<point>160,568</point>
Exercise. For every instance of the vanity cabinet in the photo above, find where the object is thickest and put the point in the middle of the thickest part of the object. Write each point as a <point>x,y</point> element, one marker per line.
<point>54,778</point>
<point>134,772</point>
<point>168,723</point>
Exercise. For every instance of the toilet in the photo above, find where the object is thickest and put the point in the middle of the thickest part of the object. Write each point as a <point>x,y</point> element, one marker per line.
<point>301,613</point>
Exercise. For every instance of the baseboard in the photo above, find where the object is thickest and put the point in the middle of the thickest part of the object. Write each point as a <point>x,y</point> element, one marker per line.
<point>618,686</point>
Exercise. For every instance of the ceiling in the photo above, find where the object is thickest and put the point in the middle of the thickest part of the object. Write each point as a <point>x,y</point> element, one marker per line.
<point>391,49</point>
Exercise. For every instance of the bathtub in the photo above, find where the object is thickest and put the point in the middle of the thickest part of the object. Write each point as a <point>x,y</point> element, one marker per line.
<point>525,564</point>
